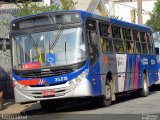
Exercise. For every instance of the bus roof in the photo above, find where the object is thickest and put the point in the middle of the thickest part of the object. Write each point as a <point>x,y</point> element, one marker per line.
<point>85,14</point>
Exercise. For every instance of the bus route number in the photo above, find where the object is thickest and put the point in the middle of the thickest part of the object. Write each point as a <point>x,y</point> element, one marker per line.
<point>61,79</point>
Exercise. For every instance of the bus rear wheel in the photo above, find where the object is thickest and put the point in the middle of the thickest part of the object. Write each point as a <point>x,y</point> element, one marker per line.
<point>145,90</point>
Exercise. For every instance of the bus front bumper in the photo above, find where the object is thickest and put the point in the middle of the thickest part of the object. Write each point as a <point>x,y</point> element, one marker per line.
<point>70,89</point>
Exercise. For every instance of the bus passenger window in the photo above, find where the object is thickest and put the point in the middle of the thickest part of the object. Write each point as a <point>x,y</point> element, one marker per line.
<point>150,47</point>
<point>103,44</point>
<point>116,32</point>
<point>117,41</point>
<point>137,45</point>
<point>143,38</point>
<point>149,41</point>
<point>105,40</point>
<point>129,46</point>
<point>148,37</point>
<point>127,40</point>
<point>106,45</point>
<point>144,42</point>
<point>144,48</point>
<point>91,25</point>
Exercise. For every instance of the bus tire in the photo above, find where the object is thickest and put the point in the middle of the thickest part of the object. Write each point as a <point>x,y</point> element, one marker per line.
<point>145,90</point>
<point>107,98</point>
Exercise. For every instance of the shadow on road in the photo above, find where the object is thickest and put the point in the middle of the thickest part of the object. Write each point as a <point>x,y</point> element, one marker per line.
<point>35,109</point>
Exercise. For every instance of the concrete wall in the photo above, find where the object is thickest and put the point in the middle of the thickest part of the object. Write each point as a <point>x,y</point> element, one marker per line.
<point>5,70</point>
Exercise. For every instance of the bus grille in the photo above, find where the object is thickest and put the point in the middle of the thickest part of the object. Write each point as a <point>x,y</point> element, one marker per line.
<point>39,74</point>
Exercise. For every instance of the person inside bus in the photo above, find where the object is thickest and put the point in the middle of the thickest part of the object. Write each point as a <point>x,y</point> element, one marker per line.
<point>137,44</point>
<point>129,48</point>
<point>103,44</point>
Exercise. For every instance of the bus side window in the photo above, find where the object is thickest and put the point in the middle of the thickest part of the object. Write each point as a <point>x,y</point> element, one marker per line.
<point>149,41</point>
<point>117,41</point>
<point>127,40</point>
<point>144,43</point>
<point>91,25</point>
<point>137,44</point>
<point>105,40</point>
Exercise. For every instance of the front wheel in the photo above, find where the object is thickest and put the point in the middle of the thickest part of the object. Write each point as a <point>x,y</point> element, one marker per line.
<point>106,100</point>
<point>145,89</point>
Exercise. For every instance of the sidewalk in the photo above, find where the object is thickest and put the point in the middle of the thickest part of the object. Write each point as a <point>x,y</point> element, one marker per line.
<point>10,107</point>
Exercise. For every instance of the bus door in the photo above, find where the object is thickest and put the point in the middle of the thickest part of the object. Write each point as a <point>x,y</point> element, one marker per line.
<point>93,42</point>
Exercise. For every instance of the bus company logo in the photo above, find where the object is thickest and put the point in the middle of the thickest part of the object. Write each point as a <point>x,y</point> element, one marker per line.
<point>46,83</point>
<point>145,61</point>
<point>120,63</point>
<point>153,62</point>
<point>43,82</point>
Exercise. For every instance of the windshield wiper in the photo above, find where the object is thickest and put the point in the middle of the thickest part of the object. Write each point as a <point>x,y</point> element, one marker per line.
<point>51,46</point>
<point>35,45</point>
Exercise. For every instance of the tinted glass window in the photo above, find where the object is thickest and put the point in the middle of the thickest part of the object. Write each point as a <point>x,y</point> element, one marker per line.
<point>104,29</point>
<point>135,35</point>
<point>127,34</point>
<point>91,25</point>
<point>142,35</point>
<point>116,32</point>
<point>105,40</point>
<point>106,45</point>
<point>137,47</point>
<point>144,48</point>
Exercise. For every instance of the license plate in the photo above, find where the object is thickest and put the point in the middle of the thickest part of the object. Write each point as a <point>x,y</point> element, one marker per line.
<point>47,92</point>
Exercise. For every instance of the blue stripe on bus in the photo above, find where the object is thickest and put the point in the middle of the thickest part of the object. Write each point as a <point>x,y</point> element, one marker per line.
<point>60,78</point>
<point>94,74</point>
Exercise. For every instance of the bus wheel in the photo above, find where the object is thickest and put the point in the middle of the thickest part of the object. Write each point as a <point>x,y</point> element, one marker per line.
<point>106,99</point>
<point>48,105</point>
<point>145,89</point>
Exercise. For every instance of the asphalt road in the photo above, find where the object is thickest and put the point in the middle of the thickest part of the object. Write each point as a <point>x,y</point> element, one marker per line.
<point>127,107</point>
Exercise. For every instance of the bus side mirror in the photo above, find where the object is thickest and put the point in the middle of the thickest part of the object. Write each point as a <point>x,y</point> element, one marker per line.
<point>94,39</point>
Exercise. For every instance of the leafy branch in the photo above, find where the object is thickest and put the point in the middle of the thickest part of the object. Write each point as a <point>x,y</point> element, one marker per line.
<point>154,20</point>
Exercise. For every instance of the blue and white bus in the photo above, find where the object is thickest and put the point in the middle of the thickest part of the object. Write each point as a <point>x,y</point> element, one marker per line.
<point>75,54</point>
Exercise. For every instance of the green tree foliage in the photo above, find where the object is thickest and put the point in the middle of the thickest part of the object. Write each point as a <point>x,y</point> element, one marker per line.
<point>67,4</point>
<point>27,7</point>
<point>154,20</point>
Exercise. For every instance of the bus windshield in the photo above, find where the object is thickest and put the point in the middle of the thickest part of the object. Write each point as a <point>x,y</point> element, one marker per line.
<point>47,49</point>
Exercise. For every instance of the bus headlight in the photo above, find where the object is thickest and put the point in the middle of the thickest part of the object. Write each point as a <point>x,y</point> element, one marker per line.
<point>84,74</point>
<point>23,86</point>
<point>71,83</point>
<point>78,79</point>
<point>15,83</point>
